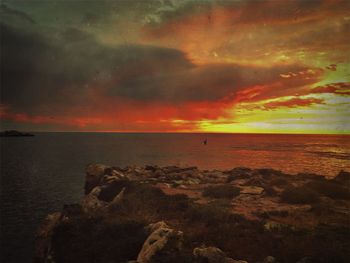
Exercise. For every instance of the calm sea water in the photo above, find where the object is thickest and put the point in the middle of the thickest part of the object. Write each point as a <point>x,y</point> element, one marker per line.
<point>39,174</point>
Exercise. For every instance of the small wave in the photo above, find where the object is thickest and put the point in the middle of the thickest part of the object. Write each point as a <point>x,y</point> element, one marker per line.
<point>321,144</point>
<point>336,155</point>
<point>273,148</point>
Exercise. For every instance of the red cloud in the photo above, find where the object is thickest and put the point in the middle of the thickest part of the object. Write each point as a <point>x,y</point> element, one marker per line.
<point>295,84</point>
<point>111,114</point>
<point>292,103</point>
<point>341,88</point>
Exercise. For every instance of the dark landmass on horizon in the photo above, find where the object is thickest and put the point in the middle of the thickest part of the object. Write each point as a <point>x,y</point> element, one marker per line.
<point>14,133</point>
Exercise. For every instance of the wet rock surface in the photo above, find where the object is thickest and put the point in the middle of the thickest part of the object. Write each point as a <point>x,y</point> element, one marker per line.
<point>183,214</point>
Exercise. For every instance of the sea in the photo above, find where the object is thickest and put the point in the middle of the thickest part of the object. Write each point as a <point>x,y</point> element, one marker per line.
<point>42,173</point>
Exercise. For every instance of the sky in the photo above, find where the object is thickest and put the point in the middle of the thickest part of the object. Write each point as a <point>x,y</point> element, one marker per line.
<point>176,66</point>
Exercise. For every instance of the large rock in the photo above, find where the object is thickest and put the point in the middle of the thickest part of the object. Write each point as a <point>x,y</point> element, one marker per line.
<point>118,199</point>
<point>212,255</point>
<point>162,242</point>
<point>94,174</point>
<point>110,180</point>
<point>43,238</point>
<point>91,203</point>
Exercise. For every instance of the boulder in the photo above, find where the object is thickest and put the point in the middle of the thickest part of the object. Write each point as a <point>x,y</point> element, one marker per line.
<point>162,242</point>
<point>343,177</point>
<point>212,255</point>
<point>94,174</point>
<point>91,203</point>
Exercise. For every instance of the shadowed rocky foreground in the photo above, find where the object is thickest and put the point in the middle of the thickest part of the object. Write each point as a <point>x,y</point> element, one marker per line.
<point>172,214</point>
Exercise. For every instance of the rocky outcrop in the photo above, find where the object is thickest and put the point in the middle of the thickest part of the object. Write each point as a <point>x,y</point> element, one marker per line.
<point>120,203</point>
<point>43,241</point>
<point>94,174</point>
<point>43,251</point>
<point>162,242</point>
<point>108,180</point>
<point>91,203</point>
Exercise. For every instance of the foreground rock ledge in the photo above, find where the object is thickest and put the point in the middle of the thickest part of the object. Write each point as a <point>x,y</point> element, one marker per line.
<point>183,214</point>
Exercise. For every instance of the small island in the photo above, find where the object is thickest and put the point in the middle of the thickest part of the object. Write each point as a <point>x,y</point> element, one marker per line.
<point>14,133</point>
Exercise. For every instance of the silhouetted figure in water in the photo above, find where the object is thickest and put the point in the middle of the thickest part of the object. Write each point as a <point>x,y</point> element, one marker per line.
<point>205,142</point>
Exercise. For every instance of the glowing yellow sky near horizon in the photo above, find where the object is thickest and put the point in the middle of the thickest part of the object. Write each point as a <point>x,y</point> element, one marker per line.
<point>332,117</point>
<point>256,47</point>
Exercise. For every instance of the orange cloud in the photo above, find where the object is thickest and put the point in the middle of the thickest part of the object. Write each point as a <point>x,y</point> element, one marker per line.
<point>340,88</point>
<point>255,31</point>
<point>292,103</point>
<point>119,114</point>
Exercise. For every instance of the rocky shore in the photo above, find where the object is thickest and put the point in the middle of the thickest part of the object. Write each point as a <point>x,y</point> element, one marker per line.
<point>182,214</point>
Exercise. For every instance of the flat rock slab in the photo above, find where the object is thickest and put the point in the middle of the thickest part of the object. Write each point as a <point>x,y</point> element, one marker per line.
<point>251,190</point>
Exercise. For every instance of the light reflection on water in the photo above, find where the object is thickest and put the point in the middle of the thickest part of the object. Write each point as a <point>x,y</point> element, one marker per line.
<point>39,174</point>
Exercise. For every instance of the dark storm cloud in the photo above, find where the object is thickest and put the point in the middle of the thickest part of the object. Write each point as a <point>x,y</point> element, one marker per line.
<point>200,83</point>
<point>6,12</point>
<point>39,72</point>
<point>47,72</point>
<point>45,75</point>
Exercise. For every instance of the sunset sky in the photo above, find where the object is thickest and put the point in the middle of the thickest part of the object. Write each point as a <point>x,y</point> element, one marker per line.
<point>176,66</point>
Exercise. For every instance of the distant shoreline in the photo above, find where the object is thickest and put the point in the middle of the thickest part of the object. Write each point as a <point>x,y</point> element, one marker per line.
<point>13,133</point>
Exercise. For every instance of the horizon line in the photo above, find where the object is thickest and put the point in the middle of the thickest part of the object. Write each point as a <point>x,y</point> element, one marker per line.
<point>194,132</point>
